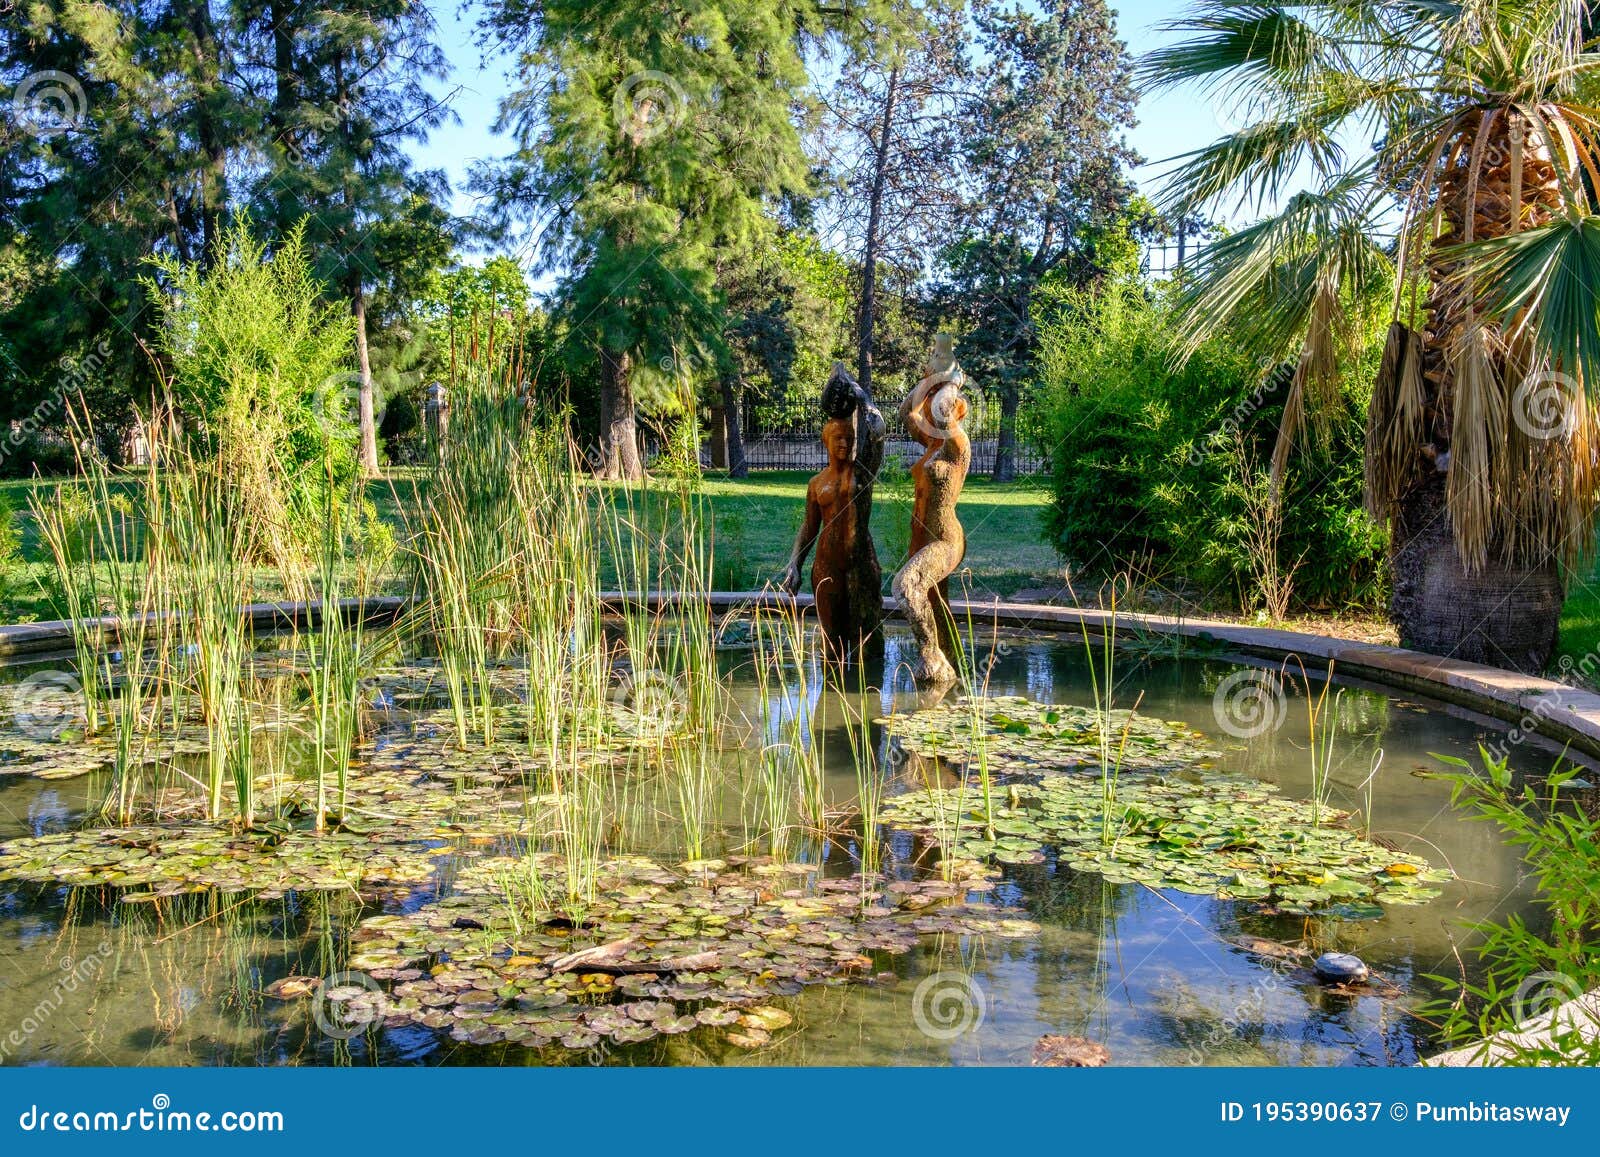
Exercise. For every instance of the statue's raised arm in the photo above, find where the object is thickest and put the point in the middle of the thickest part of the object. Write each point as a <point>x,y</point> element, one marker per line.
<point>845,576</point>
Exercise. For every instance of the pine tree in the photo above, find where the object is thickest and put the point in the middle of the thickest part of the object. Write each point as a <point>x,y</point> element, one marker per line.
<point>341,89</point>
<point>647,143</point>
<point>1042,139</point>
<point>118,137</point>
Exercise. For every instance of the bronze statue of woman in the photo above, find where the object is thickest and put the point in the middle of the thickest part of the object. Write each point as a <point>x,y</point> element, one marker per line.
<point>933,412</point>
<point>845,576</point>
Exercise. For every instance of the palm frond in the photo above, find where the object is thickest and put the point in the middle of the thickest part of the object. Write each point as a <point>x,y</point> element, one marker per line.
<point>1394,421</point>
<point>1268,41</point>
<point>1261,283</point>
<point>1545,282</point>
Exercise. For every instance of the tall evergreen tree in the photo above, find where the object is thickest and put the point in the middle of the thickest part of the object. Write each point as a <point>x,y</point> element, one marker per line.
<point>888,146</point>
<point>122,120</point>
<point>647,142</point>
<point>341,89</point>
<point>1043,143</point>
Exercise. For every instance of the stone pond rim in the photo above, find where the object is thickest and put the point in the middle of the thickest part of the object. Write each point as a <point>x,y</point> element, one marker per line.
<point>1529,703</point>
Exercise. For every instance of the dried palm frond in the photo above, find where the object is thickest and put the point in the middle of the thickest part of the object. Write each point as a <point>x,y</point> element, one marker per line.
<point>1477,447</point>
<point>1294,416</point>
<point>1551,474</point>
<point>1394,421</point>
<point>1319,357</point>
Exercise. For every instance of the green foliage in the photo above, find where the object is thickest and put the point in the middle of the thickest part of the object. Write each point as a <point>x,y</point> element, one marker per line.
<point>1530,970</point>
<point>257,359</point>
<point>1143,477</point>
<point>10,550</point>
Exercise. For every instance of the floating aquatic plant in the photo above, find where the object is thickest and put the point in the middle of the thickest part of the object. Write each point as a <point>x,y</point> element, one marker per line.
<point>1017,735</point>
<point>662,952</point>
<point>1211,835</point>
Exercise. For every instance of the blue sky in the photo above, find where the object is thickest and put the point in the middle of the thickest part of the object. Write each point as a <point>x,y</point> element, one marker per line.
<point>1169,124</point>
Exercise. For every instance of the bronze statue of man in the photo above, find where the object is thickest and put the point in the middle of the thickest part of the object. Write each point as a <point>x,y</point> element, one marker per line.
<point>933,412</point>
<point>845,576</point>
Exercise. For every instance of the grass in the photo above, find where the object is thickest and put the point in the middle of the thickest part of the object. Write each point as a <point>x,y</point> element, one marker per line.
<point>754,521</point>
<point>1578,651</point>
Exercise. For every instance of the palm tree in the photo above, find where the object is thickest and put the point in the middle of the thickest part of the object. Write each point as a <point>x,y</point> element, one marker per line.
<point>1475,211</point>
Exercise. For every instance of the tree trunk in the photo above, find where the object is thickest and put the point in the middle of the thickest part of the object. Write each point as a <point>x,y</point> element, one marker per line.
<point>619,436</point>
<point>866,316</point>
<point>208,96</point>
<point>277,19</point>
<point>1005,455</point>
<point>366,418</point>
<point>719,439</point>
<point>733,417</point>
<point>1502,615</point>
<point>1505,610</point>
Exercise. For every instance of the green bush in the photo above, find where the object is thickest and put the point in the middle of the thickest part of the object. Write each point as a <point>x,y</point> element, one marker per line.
<point>259,361</point>
<point>1146,457</point>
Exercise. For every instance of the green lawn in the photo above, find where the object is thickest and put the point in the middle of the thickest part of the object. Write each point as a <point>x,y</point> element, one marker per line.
<point>756,519</point>
<point>1579,649</point>
<point>755,522</point>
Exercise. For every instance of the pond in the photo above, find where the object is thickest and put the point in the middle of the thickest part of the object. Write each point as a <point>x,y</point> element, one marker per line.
<point>793,958</point>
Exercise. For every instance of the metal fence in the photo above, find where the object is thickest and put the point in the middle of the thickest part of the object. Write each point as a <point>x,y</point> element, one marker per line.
<point>805,452</point>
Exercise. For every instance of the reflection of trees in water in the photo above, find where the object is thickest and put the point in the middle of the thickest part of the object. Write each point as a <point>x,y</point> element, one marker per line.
<point>177,981</point>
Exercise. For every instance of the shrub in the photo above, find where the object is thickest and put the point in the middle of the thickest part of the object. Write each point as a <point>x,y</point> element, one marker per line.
<point>1145,457</point>
<point>258,362</point>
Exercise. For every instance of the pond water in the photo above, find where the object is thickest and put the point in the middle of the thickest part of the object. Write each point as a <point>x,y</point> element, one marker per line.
<point>1158,976</point>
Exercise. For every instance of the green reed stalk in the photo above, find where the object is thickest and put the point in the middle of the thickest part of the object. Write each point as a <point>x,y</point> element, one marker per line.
<point>1102,678</point>
<point>869,775</point>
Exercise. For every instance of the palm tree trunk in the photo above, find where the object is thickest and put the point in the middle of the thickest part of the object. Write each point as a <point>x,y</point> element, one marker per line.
<point>1502,614</point>
<point>1466,586</point>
